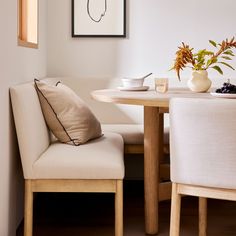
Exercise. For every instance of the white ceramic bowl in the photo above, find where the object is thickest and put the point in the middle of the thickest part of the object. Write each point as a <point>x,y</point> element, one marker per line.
<point>132,82</point>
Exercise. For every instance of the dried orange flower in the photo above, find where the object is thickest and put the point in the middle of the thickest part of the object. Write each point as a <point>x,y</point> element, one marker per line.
<point>204,59</point>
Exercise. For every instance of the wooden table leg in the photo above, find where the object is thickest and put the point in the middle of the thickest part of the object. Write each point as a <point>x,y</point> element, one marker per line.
<point>153,136</point>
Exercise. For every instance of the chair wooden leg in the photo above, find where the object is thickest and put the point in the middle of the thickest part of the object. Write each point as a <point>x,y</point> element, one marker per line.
<point>202,216</point>
<point>119,208</point>
<point>28,221</point>
<point>175,211</point>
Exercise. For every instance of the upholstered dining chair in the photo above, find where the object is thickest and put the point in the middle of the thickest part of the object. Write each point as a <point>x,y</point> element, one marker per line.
<point>96,166</point>
<point>203,154</point>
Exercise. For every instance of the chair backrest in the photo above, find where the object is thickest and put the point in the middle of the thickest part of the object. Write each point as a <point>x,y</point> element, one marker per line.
<point>203,142</point>
<point>32,132</point>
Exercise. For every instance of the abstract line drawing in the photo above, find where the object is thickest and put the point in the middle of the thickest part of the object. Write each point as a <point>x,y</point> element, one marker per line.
<point>98,18</point>
<point>102,14</point>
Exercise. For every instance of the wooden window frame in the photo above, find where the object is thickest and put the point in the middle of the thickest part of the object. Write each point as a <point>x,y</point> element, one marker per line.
<point>22,25</point>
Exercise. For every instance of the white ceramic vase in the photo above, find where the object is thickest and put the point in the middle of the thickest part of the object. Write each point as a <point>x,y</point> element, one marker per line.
<point>199,82</point>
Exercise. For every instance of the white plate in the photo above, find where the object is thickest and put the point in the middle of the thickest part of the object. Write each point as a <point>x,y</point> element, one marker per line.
<point>224,95</point>
<point>142,88</point>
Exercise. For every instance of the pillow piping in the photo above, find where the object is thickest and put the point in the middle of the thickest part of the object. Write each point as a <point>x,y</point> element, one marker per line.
<point>35,82</point>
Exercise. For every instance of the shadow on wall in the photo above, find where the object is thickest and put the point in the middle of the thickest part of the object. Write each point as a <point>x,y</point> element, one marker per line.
<point>16,180</point>
<point>106,112</point>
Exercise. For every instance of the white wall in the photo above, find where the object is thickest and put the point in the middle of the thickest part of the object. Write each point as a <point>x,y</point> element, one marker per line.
<point>17,65</point>
<point>155,28</point>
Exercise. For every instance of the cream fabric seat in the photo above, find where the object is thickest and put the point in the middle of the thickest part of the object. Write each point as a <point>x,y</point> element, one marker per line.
<point>96,166</point>
<point>132,133</point>
<point>92,160</point>
<point>203,154</point>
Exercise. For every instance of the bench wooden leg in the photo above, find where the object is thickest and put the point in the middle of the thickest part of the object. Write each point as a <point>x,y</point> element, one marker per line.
<point>28,221</point>
<point>175,211</point>
<point>119,208</point>
<point>202,216</point>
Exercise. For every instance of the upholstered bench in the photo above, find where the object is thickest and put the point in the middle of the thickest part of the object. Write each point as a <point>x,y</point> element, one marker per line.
<point>96,166</point>
<point>118,118</point>
<point>133,136</point>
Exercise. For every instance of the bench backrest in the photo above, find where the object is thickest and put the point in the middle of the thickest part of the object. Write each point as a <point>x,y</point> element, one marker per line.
<point>32,132</point>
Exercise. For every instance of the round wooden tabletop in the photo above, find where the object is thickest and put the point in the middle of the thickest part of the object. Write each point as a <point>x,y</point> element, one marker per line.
<point>145,98</point>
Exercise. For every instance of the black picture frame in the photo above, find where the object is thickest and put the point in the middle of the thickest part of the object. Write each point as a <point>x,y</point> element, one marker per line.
<point>83,22</point>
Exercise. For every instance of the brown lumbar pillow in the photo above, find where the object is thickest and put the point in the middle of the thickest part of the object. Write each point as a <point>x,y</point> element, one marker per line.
<point>66,115</point>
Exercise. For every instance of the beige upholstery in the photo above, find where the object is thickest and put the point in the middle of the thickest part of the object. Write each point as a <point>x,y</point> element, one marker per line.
<point>32,132</point>
<point>96,166</point>
<point>202,142</point>
<point>131,133</point>
<point>40,160</point>
<point>101,158</point>
<point>66,114</point>
<point>203,154</point>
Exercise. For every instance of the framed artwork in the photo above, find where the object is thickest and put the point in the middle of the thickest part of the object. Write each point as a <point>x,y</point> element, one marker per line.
<point>98,18</point>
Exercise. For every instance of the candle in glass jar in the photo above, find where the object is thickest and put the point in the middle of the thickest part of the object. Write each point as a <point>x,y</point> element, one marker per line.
<point>161,85</point>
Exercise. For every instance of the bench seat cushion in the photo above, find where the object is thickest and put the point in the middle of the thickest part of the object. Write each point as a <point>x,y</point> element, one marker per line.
<point>101,158</point>
<point>132,133</point>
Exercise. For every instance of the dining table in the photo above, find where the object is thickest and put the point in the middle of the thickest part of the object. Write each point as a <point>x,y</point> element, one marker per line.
<point>155,105</point>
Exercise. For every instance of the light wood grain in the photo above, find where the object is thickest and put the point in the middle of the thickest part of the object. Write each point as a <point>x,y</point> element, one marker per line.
<point>146,98</point>
<point>134,148</point>
<point>23,25</point>
<point>27,44</point>
<point>216,193</point>
<point>139,149</point>
<point>73,185</point>
<point>175,211</point>
<point>68,185</point>
<point>203,193</point>
<point>119,208</point>
<point>202,216</point>
<point>165,191</point>
<point>28,222</point>
<point>22,19</point>
<point>164,109</point>
<point>221,214</point>
<point>151,168</point>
